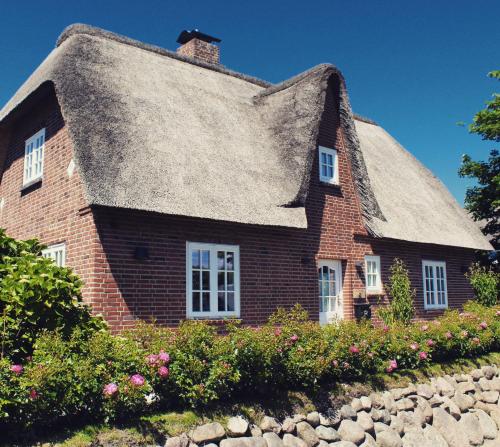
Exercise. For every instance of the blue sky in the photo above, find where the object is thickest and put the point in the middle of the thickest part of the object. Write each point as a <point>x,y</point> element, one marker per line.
<point>417,68</point>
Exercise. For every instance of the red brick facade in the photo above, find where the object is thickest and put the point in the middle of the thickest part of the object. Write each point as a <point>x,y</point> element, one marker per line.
<point>277,265</point>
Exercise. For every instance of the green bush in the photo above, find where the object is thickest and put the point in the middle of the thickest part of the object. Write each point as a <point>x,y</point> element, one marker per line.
<point>400,308</point>
<point>36,295</point>
<point>102,376</point>
<point>486,284</point>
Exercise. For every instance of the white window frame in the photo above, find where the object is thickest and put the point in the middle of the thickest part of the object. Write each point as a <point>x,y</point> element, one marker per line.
<point>57,253</point>
<point>334,180</point>
<point>377,288</point>
<point>213,249</point>
<point>434,265</point>
<point>33,157</point>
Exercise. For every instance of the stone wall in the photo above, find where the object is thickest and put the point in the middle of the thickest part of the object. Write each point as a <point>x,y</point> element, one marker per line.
<point>451,411</point>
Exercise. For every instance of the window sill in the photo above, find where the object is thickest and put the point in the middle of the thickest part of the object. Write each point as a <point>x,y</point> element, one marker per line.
<point>327,183</point>
<point>213,317</point>
<point>430,309</point>
<point>31,185</point>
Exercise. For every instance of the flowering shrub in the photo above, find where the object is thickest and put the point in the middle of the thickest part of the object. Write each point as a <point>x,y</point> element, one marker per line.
<point>105,377</point>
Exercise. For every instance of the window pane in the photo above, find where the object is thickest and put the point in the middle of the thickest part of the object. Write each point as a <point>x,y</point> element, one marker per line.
<point>221,264</point>
<point>195,259</point>
<point>206,301</point>
<point>230,301</point>
<point>323,171</point>
<point>205,259</point>
<point>196,280</point>
<point>326,288</point>
<point>329,161</point>
<point>230,281</point>
<point>221,281</point>
<point>196,301</point>
<point>229,260</point>
<point>221,301</point>
<point>323,158</point>
<point>330,171</point>
<point>205,280</point>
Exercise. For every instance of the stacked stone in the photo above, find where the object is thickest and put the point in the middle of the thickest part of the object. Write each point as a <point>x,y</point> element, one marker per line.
<point>451,411</point>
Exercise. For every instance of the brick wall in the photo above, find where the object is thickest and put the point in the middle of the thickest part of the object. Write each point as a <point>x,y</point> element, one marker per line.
<point>277,265</point>
<point>55,209</point>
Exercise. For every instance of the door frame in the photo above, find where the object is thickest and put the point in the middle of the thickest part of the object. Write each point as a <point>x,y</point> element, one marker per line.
<point>331,316</point>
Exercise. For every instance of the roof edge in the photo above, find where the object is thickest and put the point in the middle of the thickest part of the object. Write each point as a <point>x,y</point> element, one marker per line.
<point>364,119</point>
<point>81,28</point>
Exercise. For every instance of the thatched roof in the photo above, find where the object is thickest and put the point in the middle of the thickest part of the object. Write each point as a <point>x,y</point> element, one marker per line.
<point>160,132</point>
<point>415,204</point>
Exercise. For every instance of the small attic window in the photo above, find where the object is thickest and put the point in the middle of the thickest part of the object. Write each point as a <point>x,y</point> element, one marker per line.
<point>328,166</point>
<point>33,157</point>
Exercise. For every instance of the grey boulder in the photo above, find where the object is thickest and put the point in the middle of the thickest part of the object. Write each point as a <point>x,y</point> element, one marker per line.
<point>207,433</point>
<point>351,431</point>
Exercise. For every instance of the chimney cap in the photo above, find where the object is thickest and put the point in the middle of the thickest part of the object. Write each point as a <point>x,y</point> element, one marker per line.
<point>185,36</point>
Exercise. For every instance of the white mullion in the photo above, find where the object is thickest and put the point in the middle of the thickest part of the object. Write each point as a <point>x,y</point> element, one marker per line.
<point>213,280</point>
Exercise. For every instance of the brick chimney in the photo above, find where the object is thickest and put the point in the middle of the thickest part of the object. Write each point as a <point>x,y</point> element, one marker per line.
<point>199,46</point>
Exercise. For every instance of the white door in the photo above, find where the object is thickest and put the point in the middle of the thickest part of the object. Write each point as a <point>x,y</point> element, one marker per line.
<point>330,291</point>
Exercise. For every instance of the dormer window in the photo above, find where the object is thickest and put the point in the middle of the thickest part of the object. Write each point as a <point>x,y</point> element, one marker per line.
<point>328,166</point>
<point>33,157</point>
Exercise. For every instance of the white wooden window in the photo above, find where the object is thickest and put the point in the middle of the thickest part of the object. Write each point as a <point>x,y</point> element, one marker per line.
<point>328,166</point>
<point>57,253</point>
<point>435,288</point>
<point>213,280</point>
<point>33,157</point>
<point>372,274</point>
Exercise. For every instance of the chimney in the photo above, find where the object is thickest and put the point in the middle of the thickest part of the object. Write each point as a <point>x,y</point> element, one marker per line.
<point>199,46</point>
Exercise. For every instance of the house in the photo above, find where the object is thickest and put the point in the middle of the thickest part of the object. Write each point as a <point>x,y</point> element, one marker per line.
<point>177,188</point>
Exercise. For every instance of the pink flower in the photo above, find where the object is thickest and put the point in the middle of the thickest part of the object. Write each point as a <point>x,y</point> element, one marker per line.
<point>464,334</point>
<point>483,325</point>
<point>424,327</point>
<point>476,341</point>
<point>354,349</point>
<point>498,313</point>
<point>430,342</point>
<point>371,355</point>
<point>152,359</point>
<point>16,369</point>
<point>335,363</point>
<point>110,389</point>
<point>164,357</point>
<point>163,371</point>
<point>33,394</point>
<point>294,338</point>
<point>385,328</point>
<point>277,332</point>
<point>448,335</point>
<point>137,380</point>
<point>392,366</point>
<point>422,355</point>
<point>346,365</point>
<point>414,346</point>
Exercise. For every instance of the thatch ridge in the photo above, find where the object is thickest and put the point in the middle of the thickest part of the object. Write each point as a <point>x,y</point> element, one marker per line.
<point>81,28</point>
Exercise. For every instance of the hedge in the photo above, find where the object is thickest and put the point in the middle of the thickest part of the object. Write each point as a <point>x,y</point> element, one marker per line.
<point>100,376</point>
